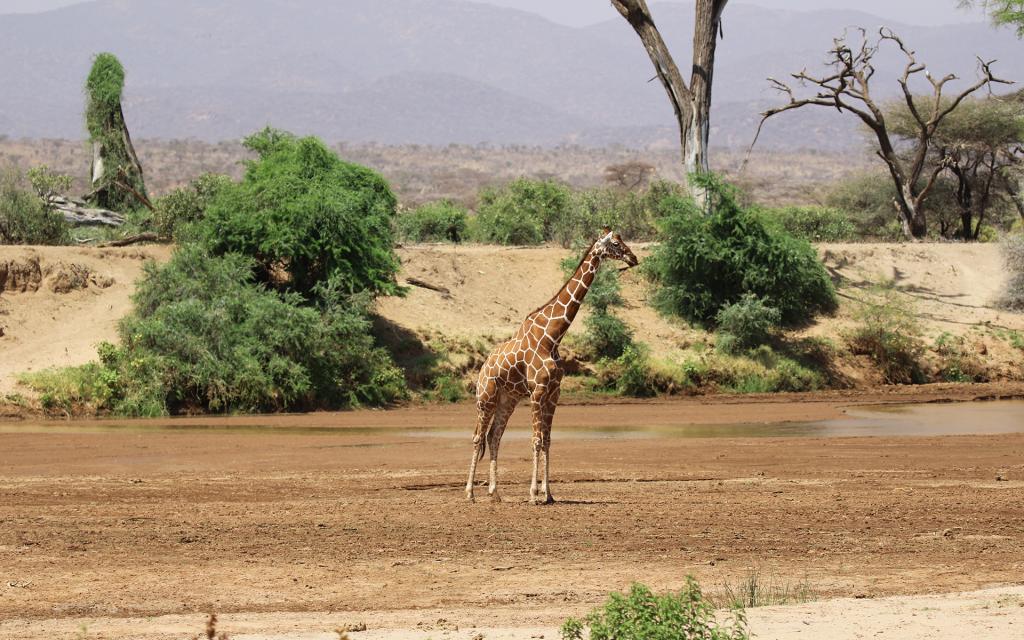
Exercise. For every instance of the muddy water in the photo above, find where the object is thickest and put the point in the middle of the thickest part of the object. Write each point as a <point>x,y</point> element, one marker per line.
<point>934,419</point>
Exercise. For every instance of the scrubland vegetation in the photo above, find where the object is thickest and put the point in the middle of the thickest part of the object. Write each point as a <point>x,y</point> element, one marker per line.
<point>267,303</point>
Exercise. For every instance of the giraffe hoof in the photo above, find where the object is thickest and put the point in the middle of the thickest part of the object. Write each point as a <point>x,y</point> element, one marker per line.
<point>495,497</point>
<point>469,497</point>
<point>550,499</point>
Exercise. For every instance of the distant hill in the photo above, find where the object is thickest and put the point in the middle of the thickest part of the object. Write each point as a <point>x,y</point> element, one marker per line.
<point>429,71</point>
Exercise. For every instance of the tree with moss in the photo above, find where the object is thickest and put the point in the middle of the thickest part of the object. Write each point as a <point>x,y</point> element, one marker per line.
<point>117,180</point>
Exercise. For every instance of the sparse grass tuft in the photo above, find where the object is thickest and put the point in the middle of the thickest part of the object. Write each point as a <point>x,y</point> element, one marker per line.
<point>758,590</point>
<point>889,333</point>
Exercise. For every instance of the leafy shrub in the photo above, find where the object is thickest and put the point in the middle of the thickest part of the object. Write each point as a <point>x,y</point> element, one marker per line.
<point>24,218</point>
<point>607,336</point>
<point>746,324</point>
<point>761,370</point>
<point>84,388</point>
<point>204,336</point>
<point>1012,247</point>
<point>642,615</point>
<point>306,218</point>
<point>635,374</point>
<point>631,213</point>
<point>433,222</point>
<point>889,333</point>
<point>523,212</point>
<point>707,262</point>
<point>186,205</point>
<point>957,361</point>
<point>448,388</point>
<point>814,224</point>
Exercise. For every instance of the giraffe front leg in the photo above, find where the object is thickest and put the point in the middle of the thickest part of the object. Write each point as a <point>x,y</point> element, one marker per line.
<point>537,406</point>
<point>551,403</point>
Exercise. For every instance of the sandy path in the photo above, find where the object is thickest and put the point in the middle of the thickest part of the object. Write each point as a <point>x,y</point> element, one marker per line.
<point>992,614</point>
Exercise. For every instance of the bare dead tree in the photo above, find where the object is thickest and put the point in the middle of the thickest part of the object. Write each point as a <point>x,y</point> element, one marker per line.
<point>847,88</point>
<point>690,102</point>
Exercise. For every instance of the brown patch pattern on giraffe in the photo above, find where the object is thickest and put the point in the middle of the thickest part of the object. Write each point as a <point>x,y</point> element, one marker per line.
<point>528,366</point>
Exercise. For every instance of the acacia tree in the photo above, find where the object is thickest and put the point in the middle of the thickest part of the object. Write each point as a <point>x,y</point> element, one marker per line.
<point>117,181</point>
<point>847,89</point>
<point>690,102</point>
<point>981,145</point>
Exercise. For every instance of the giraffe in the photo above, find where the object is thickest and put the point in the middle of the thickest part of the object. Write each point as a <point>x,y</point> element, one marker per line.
<point>528,365</point>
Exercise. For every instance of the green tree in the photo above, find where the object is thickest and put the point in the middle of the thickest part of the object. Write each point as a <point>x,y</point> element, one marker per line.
<point>310,221</point>
<point>117,180</point>
<point>1003,12</point>
<point>523,212</point>
<point>978,145</point>
<point>705,263</point>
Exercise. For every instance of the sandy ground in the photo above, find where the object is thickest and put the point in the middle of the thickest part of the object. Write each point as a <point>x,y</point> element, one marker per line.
<point>44,328</point>
<point>361,520</point>
<point>993,614</point>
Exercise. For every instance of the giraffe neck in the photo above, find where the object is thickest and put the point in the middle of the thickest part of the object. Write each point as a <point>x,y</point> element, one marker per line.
<point>562,309</point>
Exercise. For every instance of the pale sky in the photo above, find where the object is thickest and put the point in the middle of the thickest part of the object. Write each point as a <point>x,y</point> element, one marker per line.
<point>584,12</point>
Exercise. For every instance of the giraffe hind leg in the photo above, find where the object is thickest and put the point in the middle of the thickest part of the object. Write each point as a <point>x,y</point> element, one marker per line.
<point>485,415</point>
<point>506,405</point>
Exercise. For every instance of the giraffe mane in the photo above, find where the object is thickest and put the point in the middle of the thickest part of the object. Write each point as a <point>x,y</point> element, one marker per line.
<point>586,254</point>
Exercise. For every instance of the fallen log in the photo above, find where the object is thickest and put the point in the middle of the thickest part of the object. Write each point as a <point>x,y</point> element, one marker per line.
<point>423,284</point>
<point>78,213</point>
<point>148,236</point>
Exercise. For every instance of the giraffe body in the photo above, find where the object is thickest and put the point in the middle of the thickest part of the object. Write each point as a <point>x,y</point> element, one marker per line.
<point>528,366</point>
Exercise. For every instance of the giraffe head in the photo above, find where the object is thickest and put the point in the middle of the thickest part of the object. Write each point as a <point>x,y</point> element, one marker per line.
<point>611,245</point>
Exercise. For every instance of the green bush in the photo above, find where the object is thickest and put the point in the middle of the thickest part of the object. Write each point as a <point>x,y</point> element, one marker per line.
<point>889,333</point>
<point>24,218</point>
<point>442,221</point>
<point>746,324</point>
<point>523,212</point>
<point>707,262</point>
<point>636,375</point>
<point>643,615</point>
<point>814,224</point>
<point>631,213</point>
<point>204,336</point>
<point>607,336</point>
<point>1012,247</point>
<point>306,218</point>
<point>186,205</point>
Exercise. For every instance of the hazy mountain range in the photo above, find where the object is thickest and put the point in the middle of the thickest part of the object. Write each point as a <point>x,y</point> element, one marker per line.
<point>433,71</point>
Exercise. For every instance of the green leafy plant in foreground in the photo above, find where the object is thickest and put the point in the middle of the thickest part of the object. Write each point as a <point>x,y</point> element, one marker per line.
<point>642,615</point>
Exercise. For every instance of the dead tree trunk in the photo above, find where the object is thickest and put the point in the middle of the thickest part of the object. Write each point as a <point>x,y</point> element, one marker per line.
<point>691,102</point>
<point>846,88</point>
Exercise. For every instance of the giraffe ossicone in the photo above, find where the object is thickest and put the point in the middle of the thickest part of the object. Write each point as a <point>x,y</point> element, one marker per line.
<point>528,366</point>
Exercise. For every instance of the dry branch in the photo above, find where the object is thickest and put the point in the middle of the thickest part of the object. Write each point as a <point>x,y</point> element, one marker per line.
<point>423,284</point>
<point>76,212</point>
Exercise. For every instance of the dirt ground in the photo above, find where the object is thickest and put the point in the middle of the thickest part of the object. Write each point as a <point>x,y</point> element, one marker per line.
<point>356,518</point>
